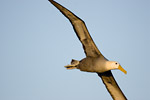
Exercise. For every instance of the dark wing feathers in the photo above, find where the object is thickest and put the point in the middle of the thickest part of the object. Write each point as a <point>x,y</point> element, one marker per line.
<point>91,50</point>
<point>80,29</point>
<point>112,86</point>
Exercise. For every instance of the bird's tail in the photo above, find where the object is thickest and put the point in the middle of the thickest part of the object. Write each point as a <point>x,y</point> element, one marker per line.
<point>73,65</point>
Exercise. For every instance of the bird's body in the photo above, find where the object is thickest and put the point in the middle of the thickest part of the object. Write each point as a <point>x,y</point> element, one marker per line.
<point>94,60</point>
<point>93,64</point>
<point>90,64</point>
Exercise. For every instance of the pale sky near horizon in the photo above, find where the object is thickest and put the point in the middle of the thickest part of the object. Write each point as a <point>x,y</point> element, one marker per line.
<point>37,41</point>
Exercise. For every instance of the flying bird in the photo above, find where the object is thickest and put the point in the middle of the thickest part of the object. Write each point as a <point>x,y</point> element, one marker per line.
<point>94,62</point>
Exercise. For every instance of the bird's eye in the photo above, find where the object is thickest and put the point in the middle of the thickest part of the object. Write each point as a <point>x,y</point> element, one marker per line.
<point>116,63</point>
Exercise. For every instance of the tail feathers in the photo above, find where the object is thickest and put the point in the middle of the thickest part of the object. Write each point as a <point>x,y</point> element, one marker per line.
<point>73,65</point>
<point>74,62</point>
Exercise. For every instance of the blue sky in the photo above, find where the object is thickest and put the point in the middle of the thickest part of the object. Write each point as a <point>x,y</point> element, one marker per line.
<point>36,41</point>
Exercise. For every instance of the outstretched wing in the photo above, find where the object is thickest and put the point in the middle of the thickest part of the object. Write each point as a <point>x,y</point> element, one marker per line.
<point>91,50</point>
<point>81,31</point>
<point>112,86</point>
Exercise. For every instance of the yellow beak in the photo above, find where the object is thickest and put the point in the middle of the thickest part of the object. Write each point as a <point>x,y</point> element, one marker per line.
<point>123,70</point>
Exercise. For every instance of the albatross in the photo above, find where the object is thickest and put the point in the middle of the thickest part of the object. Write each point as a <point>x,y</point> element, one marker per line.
<point>94,61</point>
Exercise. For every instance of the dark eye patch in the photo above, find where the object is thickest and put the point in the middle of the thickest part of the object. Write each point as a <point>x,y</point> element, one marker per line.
<point>116,63</point>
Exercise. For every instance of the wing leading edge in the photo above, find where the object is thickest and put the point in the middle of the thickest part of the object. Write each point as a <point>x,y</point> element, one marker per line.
<point>81,31</point>
<point>90,49</point>
<point>112,86</point>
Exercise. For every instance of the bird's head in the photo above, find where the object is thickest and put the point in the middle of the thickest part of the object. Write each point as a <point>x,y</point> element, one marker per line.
<point>116,65</point>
